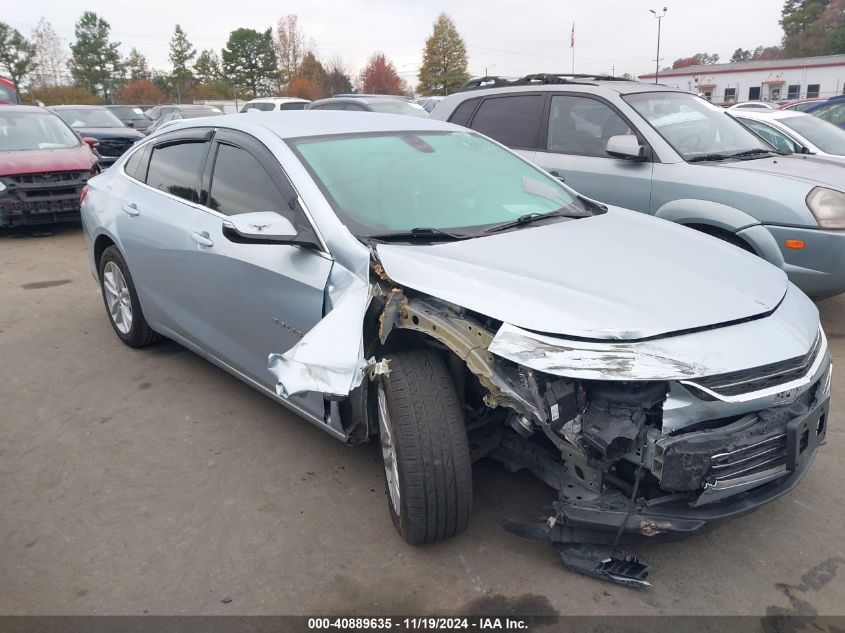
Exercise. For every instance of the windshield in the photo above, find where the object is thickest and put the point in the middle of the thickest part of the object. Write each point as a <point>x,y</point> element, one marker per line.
<point>399,181</point>
<point>21,131</point>
<point>128,113</point>
<point>396,107</point>
<point>89,117</point>
<point>826,136</point>
<point>695,128</point>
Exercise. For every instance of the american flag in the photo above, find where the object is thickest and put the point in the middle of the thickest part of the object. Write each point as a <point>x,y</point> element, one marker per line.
<point>572,37</point>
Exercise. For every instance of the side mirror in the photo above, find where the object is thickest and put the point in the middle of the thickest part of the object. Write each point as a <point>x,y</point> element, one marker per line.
<point>91,142</point>
<point>625,146</point>
<point>263,226</point>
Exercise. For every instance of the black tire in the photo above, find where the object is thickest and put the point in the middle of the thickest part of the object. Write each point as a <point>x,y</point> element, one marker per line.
<point>140,334</point>
<point>431,447</point>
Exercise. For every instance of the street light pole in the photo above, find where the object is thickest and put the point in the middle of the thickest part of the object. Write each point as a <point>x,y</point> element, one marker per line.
<point>659,17</point>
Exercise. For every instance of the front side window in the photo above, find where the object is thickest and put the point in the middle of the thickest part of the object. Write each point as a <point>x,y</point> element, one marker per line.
<point>578,125</point>
<point>240,184</point>
<point>773,137</point>
<point>89,117</point>
<point>399,181</point>
<point>20,131</point>
<point>827,137</point>
<point>513,120</point>
<point>175,168</point>
<point>833,113</point>
<point>697,130</point>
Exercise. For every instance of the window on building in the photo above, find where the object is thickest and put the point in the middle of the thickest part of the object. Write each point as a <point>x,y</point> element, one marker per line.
<point>754,93</point>
<point>794,91</point>
<point>813,91</point>
<point>730,95</point>
<point>708,94</point>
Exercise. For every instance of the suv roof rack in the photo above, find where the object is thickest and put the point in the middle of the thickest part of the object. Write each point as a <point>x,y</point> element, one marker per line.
<point>536,79</point>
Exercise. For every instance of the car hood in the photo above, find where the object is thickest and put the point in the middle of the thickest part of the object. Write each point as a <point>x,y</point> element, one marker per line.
<point>41,160</point>
<point>813,169</point>
<point>617,276</point>
<point>109,132</point>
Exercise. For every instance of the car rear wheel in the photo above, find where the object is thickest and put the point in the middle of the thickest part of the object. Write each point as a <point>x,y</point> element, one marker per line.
<point>425,452</point>
<point>121,300</point>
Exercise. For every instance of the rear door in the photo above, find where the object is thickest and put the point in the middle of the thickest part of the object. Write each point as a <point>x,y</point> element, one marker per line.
<point>258,298</point>
<point>573,142</point>
<point>158,211</point>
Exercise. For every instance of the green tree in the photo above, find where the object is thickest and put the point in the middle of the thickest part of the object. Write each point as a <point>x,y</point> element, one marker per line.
<point>182,52</point>
<point>250,61</point>
<point>95,61</point>
<point>137,66</point>
<point>444,65</point>
<point>741,56</point>
<point>17,55</point>
<point>338,79</point>
<point>207,66</point>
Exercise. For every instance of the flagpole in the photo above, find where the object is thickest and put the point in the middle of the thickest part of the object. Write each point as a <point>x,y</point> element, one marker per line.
<point>572,46</point>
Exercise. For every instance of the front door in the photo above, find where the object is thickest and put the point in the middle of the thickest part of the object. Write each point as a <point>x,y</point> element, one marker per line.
<point>574,147</point>
<point>259,298</point>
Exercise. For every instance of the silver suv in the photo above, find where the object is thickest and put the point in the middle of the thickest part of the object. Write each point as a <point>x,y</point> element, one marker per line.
<point>674,155</point>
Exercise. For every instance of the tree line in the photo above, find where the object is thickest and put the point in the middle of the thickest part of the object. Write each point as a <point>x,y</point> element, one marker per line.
<point>810,28</point>
<point>279,61</point>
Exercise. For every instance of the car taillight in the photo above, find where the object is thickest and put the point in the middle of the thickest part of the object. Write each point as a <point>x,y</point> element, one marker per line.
<point>82,194</point>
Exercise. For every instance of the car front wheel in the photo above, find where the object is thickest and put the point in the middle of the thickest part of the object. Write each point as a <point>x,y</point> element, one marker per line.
<point>424,447</point>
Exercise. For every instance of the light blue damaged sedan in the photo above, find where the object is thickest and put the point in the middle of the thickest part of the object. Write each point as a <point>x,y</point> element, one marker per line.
<point>411,282</point>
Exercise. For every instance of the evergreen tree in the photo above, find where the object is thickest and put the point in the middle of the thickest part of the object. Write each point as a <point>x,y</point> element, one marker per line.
<point>137,66</point>
<point>250,61</point>
<point>444,65</point>
<point>207,66</point>
<point>182,52</point>
<point>17,55</point>
<point>95,61</point>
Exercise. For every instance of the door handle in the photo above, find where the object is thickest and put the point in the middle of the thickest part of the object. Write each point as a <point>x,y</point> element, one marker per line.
<point>201,238</point>
<point>557,175</point>
<point>130,208</point>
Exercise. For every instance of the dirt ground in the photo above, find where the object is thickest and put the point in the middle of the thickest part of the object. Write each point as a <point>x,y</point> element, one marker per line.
<point>152,482</point>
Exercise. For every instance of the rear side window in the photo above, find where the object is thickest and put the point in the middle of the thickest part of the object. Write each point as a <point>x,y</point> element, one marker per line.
<point>136,166</point>
<point>513,121</point>
<point>463,112</point>
<point>299,105</point>
<point>175,168</point>
<point>240,184</point>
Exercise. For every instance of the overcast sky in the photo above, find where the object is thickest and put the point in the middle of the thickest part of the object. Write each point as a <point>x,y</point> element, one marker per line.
<point>506,37</point>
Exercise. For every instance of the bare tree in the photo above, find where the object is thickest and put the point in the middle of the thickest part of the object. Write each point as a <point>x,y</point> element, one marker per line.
<point>291,45</point>
<point>50,56</point>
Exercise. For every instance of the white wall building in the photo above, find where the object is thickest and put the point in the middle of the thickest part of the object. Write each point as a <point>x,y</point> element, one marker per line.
<point>771,80</point>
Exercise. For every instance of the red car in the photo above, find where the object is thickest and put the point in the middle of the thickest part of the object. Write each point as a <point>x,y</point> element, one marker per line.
<point>44,165</point>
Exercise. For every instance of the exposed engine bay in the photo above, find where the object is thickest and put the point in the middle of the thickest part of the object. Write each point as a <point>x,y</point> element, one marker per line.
<point>629,458</point>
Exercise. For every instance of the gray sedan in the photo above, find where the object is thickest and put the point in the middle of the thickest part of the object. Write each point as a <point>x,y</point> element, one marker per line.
<point>415,283</point>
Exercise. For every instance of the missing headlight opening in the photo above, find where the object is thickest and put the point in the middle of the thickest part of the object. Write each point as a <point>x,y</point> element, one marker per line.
<point>629,459</point>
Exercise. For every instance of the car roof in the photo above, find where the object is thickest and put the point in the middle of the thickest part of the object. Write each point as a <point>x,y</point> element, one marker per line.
<point>299,123</point>
<point>764,115</point>
<point>278,100</point>
<point>366,100</point>
<point>22,108</point>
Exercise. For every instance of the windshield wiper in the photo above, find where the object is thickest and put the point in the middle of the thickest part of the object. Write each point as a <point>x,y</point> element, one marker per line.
<point>709,157</point>
<point>528,218</point>
<point>419,233</point>
<point>755,152</point>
